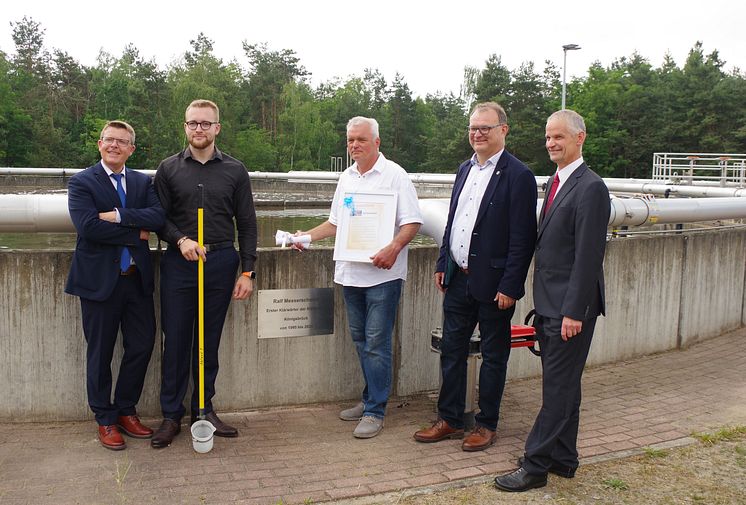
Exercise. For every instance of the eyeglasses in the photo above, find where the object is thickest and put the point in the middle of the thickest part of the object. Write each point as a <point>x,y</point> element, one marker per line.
<point>107,141</point>
<point>484,130</point>
<point>204,125</point>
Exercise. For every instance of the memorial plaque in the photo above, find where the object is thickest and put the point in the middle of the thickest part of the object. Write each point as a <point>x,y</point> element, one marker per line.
<point>296,312</point>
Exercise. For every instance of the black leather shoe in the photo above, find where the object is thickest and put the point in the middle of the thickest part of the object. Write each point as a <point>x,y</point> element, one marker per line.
<point>520,480</point>
<point>221,429</point>
<point>165,434</point>
<point>566,472</point>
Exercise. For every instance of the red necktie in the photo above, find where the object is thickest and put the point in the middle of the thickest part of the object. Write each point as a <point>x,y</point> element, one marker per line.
<point>552,192</point>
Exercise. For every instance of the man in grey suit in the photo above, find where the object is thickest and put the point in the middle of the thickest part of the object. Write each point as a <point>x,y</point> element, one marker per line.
<point>568,297</point>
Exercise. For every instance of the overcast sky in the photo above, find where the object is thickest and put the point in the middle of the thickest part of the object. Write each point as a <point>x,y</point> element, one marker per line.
<point>428,42</point>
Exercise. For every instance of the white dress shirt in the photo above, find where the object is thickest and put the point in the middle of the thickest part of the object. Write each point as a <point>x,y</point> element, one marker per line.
<point>114,183</point>
<point>384,176</point>
<point>566,172</point>
<point>467,207</point>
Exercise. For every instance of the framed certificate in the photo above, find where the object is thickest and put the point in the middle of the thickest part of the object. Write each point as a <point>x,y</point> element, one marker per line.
<point>365,224</point>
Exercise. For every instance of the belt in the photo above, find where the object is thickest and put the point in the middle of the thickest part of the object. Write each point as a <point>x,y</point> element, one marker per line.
<point>219,245</point>
<point>132,270</point>
<point>465,271</point>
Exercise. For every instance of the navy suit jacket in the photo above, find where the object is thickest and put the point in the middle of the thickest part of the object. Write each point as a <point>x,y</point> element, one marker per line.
<point>568,267</point>
<point>95,267</point>
<point>504,235</point>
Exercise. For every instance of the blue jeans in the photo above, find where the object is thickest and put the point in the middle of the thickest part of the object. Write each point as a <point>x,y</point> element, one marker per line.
<point>371,313</point>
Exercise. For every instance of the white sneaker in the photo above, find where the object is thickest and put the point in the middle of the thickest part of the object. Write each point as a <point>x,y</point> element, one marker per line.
<point>368,427</point>
<point>352,414</point>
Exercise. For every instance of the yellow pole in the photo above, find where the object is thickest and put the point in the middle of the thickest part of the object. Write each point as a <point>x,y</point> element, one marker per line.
<point>201,310</point>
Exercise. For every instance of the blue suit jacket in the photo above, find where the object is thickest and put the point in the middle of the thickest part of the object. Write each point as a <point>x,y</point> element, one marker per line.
<point>504,235</point>
<point>95,267</point>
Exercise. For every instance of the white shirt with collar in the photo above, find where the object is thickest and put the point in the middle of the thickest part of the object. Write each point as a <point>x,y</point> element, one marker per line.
<point>114,183</point>
<point>467,207</point>
<point>385,175</point>
<point>565,173</point>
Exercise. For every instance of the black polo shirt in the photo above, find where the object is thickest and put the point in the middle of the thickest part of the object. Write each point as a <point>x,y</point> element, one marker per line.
<point>227,198</point>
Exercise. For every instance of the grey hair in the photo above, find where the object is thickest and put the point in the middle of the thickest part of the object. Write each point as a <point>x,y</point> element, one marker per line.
<point>493,106</point>
<point>572,119</point>
<point>361,120</point>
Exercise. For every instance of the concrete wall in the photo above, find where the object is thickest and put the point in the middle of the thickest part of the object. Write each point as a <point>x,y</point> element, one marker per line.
<point>712,281</point>
<point>662,292</point>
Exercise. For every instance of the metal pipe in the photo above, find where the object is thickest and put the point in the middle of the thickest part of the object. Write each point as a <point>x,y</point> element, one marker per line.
<point>636,211</point>
<point>645,186</point>
<point>48,212</point>
<point>34,213</point>
<point>435,215</point>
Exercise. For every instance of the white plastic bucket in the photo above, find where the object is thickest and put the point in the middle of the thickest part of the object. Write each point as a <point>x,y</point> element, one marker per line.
<point>202,432</point>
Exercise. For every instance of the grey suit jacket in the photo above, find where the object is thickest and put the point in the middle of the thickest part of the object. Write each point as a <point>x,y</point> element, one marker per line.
<point>570,246</point>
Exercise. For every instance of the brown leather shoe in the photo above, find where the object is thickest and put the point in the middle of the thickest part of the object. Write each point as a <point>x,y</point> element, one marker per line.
<point>165,434</point>
<point>111,438</point>
<point>479,439</point>
<point>132,426</point>
<point>441,430</point>
<point>221,429</point>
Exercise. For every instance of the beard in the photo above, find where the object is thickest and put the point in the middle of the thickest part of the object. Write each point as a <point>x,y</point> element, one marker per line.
<point>200,142</point>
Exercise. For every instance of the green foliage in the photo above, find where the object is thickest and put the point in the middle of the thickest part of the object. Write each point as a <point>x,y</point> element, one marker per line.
<point>728,433</point>
<point>650,452</point>
<point>254,147</point>
<point>447,145</point>
<point>615,483</point>
<point>52,108</point>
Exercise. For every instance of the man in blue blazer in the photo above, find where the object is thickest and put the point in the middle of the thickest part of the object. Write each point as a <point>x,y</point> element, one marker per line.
<point>568,297</point>
<point>113,209</point>
<point>484,258</point>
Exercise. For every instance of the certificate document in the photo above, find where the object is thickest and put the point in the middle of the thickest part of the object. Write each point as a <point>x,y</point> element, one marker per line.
<point>365,225</point>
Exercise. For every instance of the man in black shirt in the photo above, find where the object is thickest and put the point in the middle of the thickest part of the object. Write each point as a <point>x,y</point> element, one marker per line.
<point>180,181</point>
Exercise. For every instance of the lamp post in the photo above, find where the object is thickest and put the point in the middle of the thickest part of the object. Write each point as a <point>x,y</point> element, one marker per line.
<point>565,48</point>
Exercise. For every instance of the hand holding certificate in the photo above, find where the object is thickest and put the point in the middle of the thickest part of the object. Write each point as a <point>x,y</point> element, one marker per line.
<point>366,225</point>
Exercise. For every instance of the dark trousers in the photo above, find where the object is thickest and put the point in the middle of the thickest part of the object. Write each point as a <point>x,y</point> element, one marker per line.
<point>555,431</point>
<point>461,315</point>
<point>131,309</point>
<point>179,319</point>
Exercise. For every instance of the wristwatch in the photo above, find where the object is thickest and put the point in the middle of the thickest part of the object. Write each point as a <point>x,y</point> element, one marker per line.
<point>250,275</point>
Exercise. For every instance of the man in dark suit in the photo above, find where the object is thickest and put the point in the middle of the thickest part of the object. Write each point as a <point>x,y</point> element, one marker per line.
<point>568,296</point>
<point>484,258</point>
<point>113,209</point>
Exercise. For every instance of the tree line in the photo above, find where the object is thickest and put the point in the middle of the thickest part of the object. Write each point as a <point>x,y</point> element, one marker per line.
<point>52,108</point>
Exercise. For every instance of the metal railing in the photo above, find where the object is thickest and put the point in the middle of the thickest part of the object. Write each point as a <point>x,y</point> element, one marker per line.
<point>687,168</point>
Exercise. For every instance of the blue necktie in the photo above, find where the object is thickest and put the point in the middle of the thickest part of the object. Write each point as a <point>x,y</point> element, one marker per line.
<point>124,262</point>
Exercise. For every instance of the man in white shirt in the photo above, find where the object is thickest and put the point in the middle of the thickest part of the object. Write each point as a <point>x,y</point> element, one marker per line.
<point>484,258</point>
<point>372,290</point>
